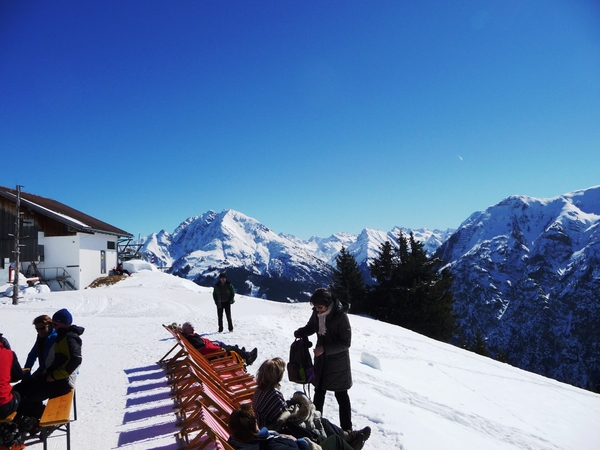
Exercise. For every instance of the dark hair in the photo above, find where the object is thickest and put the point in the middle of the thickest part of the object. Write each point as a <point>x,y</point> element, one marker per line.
<point>44,319</point>
<point>321,297</point>
<point>242,423</point>
<point>222,275</point>
<point>270,373</point>
<point>4,342</point>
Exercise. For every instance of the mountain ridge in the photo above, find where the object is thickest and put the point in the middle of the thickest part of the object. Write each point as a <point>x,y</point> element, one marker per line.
<point>526,272</point>
<point>526,277</point>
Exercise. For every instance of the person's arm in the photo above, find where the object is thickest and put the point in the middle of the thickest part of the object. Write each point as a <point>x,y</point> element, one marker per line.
<point>196,341</point>
<point>342,337</point>
<point>16,373</point>
<point>310,328</point>
<point>31,357</point>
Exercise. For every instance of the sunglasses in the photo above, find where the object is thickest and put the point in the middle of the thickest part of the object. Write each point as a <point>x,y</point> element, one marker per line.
<point>41,328</point>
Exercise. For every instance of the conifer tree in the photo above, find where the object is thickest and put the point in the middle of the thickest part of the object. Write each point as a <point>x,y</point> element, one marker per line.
<point>381,295</point>
<point>411,291</point>
<point>480,345</point>
<point>348,283</point>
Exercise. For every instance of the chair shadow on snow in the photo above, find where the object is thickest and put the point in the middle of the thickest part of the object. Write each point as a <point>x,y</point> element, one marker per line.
<point>149,413</point>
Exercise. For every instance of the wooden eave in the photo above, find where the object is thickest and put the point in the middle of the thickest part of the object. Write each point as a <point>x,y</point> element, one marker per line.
<point>62,213</point>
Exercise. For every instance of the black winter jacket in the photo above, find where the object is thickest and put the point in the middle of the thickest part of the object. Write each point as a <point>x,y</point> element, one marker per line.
<point>332,368</point>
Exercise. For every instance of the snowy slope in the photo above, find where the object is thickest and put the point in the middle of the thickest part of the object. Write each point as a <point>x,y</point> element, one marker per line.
<point>415,393</point>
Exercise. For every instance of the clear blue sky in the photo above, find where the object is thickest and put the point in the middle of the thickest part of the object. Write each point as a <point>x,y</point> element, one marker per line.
<point>312,117</point>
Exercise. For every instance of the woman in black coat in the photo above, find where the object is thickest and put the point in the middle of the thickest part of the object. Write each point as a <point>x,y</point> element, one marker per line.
<point>332,357</point>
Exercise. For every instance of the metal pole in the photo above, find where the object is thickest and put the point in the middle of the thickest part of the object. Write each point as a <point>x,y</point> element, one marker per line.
<point>17,250</point>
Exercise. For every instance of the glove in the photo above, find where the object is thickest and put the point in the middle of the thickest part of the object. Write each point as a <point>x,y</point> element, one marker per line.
<point>310,444</point>
<point>302,444</point>
<point>297,334</point>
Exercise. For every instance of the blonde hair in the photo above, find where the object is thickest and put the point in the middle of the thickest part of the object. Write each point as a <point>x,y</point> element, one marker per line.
<point>270,373</point>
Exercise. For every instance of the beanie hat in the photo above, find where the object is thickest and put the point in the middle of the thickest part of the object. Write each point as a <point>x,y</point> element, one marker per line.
<point>321,297</point>
<point>63,316</point>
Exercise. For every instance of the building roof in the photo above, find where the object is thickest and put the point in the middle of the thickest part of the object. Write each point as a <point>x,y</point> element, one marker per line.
<point>62,213</point>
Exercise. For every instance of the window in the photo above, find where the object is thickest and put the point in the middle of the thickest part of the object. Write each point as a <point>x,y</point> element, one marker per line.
<point>111,245</point>
<point>102,261</point>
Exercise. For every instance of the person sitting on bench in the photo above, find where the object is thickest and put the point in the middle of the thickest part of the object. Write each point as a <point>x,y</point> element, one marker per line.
<point>206,346</point>
<point>58,377</point>
<point>46,336</point>
<point>10,372</point>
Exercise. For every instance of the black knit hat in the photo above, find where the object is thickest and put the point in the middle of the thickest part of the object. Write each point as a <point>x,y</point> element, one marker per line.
<point>321,297</point>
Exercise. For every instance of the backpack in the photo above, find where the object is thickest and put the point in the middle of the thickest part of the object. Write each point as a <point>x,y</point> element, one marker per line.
<point>300,367</point>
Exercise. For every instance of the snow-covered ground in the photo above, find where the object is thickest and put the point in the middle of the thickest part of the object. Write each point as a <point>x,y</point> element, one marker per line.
<point>415,393</point>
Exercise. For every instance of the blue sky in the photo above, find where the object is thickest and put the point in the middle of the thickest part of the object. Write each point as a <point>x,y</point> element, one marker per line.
<point>311,117</point>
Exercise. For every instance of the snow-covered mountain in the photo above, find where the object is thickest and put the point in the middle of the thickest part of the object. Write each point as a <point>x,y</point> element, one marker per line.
<point>258,261</point>
<point>527,278</point>
<point>527,273</point>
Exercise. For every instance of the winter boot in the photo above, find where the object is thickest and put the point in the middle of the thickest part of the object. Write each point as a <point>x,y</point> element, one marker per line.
<point>357,439</point>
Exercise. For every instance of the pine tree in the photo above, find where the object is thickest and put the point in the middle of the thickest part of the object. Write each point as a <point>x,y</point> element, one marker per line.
<point>348,283</point>
<point>381,295</point>
<point>411,291</point>
<point>480,345</point>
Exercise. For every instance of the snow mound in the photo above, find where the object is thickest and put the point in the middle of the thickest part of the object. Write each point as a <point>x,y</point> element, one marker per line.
<point>137,265</point>
<point>370,360</point>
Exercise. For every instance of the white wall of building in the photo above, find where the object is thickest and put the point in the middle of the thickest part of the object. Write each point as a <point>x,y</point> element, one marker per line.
<point>4,272</point>
<point>79,255</point>
<point>90,260</point>
<point>60,252</point>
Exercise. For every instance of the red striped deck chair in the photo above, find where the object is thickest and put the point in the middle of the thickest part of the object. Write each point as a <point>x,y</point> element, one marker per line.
<point>207,432</point>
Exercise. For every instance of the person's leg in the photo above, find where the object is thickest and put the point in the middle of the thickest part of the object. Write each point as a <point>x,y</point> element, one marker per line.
<point>319,399</point>
<point>236,348</point>
<point>227,307</point>
<point>32,399</point>
<point>220,317</point>
<point>10,407</point>
<point>335,442</point>
<point>331,429</point>
<point>58,388</point>
<point>343,400</point>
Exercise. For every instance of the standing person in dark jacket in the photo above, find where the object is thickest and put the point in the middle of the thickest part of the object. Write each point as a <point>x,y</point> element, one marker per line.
<point>58,376</point>
<point>224,296</point>
<point>10,372</point>
<point>329,320</point>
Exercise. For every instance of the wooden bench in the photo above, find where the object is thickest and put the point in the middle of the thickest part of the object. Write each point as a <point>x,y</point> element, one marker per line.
<point>57,416</point>
<point>9,418</point>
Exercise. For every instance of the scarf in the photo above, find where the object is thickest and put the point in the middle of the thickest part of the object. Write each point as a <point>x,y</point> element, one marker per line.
<point>322,317</point>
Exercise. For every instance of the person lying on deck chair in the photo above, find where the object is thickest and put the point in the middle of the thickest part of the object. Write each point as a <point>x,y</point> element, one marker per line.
<point>206,346</point>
